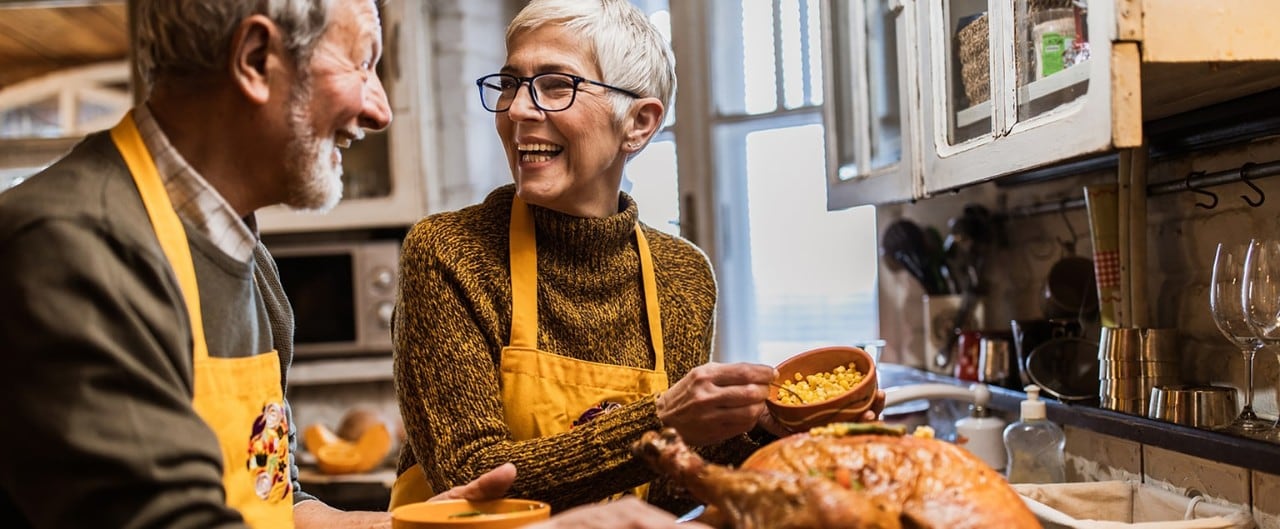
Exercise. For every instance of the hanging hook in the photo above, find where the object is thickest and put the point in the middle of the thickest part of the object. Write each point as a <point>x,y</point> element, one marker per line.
<point>1213,197</point>
<point>1068,246</point>
<point>1244,177</point>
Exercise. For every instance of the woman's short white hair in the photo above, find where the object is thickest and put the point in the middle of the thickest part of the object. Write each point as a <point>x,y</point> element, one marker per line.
<point>630,51</point>
<point>184,37</point>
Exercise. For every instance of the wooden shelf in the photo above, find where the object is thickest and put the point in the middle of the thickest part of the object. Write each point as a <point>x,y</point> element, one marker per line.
<point>352,492</point>
<point>1195,54</point>
<point>1206,444</point>
<point>309,372</point>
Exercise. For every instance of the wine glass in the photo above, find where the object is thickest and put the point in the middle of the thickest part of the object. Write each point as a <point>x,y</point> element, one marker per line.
<point>1227,297</point>
<point>1261,297</point>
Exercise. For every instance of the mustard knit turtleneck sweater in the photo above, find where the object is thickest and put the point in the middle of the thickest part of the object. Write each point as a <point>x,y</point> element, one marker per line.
<point>453,318</point>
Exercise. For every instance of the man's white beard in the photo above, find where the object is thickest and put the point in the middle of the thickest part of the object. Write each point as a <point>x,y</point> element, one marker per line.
<point>315,183</point>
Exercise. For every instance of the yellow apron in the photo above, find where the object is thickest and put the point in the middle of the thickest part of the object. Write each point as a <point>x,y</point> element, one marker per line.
<point>543,393</point>
<point>239,398</point>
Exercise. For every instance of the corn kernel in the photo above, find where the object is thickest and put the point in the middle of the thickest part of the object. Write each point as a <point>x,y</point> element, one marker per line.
<point>819,386</point>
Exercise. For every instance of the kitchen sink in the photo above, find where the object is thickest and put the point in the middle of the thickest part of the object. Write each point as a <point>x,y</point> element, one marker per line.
<point>915,397</point>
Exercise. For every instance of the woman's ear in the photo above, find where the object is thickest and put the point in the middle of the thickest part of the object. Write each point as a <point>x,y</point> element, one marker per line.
<point>645,121</point>
<point>254,47</point>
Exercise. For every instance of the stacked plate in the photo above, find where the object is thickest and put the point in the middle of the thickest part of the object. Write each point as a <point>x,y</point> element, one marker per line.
<point>1133,361</point>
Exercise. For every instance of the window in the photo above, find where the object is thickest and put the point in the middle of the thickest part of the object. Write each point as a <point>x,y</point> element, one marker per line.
<point>792,275</point>
<point>68,103</point>
<point>42,117</point>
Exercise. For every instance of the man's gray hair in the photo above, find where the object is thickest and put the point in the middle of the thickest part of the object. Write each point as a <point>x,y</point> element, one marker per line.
<point>630,51</point>
<point>185,37</point>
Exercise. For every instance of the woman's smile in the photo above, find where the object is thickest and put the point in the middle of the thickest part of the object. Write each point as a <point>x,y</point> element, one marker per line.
<point>537,152</point>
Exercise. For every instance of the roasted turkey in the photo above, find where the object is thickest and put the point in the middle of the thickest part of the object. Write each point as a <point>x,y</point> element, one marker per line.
<point>840,477</point>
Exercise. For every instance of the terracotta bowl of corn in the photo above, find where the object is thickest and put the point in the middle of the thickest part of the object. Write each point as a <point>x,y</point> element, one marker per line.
<point>823,386</point>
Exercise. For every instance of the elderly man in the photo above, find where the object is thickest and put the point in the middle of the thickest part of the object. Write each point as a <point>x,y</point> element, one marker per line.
<point>147,339</point>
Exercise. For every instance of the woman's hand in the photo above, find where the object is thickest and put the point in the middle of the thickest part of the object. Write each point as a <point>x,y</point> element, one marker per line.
<point>877,406</point>
<point>627,513</point>
<point>771,425</point>
<point>716,401</point>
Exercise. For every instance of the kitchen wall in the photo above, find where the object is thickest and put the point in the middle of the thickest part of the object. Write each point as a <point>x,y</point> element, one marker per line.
<point>1096,457</point>
<point>1181,243</point>
<point>1181,239</point>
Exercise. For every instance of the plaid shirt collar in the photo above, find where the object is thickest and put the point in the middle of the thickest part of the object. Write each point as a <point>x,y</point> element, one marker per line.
<point>196,202</point>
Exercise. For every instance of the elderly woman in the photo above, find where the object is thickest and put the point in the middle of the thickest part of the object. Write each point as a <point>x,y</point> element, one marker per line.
<point>547,326</point>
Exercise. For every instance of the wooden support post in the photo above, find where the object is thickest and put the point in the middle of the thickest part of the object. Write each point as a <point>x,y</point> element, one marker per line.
<point>1126,95</point>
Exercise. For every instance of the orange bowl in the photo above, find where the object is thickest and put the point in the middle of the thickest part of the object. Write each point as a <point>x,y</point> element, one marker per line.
<point>458,514</point>
<point>845,407</point>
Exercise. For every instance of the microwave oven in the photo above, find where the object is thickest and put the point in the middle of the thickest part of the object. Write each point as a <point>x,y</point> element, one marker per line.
<point>342,295</point>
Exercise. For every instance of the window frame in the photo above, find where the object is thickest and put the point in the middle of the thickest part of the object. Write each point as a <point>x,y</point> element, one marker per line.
<point>699,128</point>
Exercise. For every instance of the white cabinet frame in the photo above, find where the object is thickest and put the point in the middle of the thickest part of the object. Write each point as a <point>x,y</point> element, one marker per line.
<point>1149,59</point>
<point>851,179</point>
<point>1080,127</point>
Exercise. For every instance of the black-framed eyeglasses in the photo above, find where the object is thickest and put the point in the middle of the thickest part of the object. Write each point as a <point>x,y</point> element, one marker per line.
<point>550,92</point>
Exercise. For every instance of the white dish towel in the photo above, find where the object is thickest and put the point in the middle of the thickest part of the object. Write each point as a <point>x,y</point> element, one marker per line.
<point>1124,504</point>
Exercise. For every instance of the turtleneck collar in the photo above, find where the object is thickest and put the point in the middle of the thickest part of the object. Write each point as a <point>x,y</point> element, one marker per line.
<point>587,236</point>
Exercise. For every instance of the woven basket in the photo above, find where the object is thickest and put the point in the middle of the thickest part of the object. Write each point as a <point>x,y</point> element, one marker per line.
<point>975,60</point>
<point>1037,5</point>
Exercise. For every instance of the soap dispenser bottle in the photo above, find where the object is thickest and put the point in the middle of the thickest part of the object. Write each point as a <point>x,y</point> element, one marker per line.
<point>1034,444</point>
<point>980,433</point>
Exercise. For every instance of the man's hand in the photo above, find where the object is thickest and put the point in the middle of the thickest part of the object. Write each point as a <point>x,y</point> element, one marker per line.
<point>316,515</point>
<point>489,486</point>
<point>627,513</point>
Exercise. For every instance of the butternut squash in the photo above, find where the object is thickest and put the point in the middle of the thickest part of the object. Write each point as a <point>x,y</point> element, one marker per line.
<point>335,455</point>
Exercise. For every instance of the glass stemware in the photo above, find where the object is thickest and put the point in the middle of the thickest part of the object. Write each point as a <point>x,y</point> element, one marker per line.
<point>1261,296</point>
<point>1227,299</point>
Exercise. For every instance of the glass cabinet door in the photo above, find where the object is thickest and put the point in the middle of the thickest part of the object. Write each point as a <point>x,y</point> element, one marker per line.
<point>1047,70</point>
<point>1009,85</point>
<point>1051,46</point>
<point>870,75</point>
<point>968,76</point>
<point>883,116</point>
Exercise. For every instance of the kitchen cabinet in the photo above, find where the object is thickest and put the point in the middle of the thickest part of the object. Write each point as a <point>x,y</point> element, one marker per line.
<point>385,176</point>
<point>993,87</point>
<point>871,88</point>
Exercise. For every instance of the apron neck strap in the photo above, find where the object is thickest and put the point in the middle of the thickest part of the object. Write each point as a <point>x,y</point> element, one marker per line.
<point>524,283</point>
<point>651,307</point>
<point>164,221</point>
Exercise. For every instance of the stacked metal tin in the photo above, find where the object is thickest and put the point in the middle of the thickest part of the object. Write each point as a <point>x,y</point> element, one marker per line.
<point>1131,362</point>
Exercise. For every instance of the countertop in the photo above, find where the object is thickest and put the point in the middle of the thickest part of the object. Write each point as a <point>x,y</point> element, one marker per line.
<point>368,491</point>
<point>1215,446</point>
